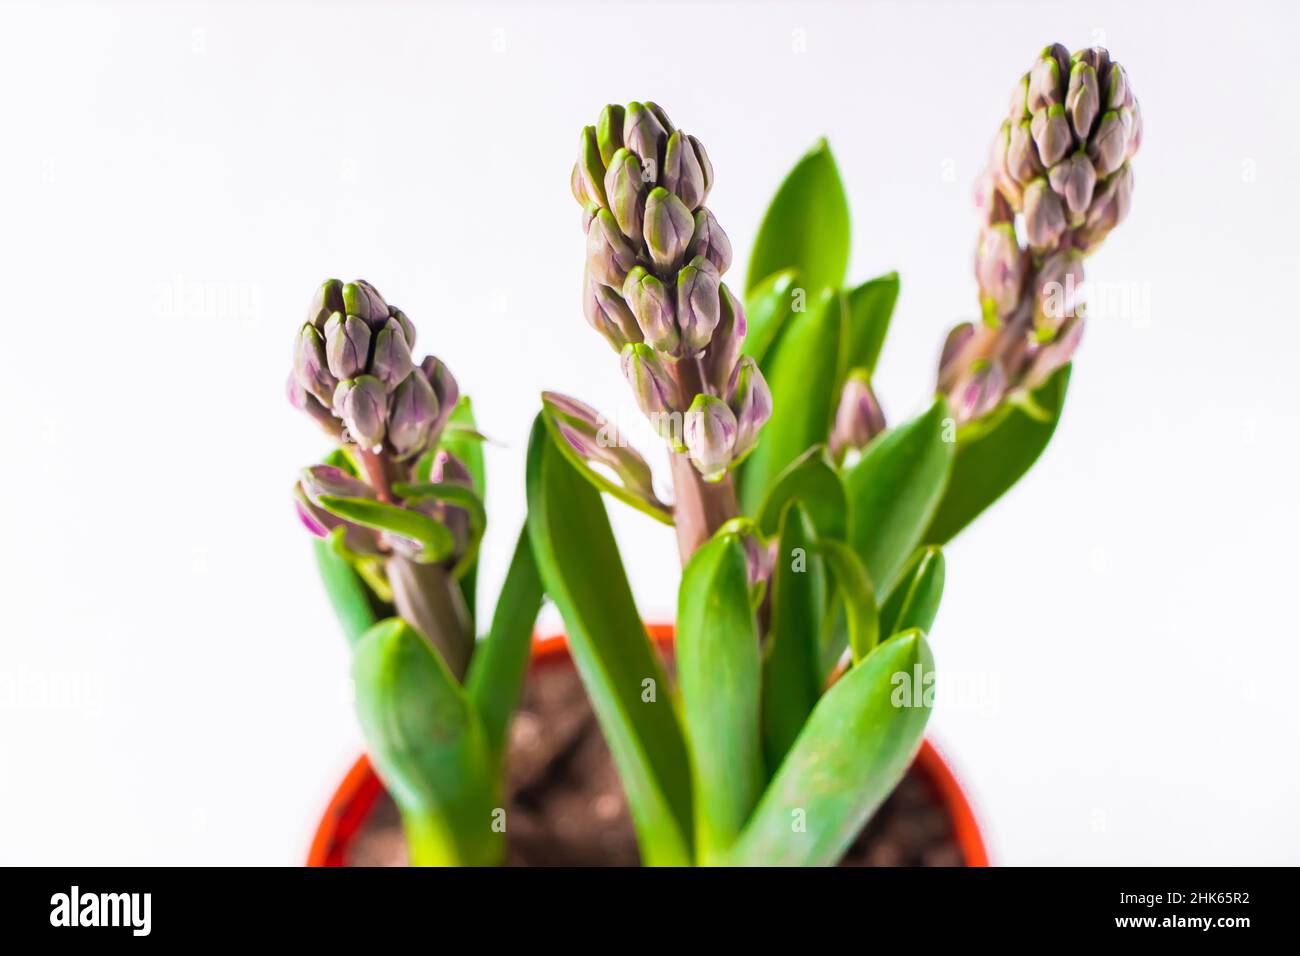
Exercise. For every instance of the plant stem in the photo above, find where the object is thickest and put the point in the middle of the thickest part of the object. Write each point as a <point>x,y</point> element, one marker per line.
<point>702,507</point>
<point>427,598</point>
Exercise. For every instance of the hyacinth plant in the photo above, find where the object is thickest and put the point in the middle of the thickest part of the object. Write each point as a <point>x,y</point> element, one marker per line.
<point>810,534</point>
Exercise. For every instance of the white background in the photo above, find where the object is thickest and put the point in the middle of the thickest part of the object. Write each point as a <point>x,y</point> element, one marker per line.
<point>1118,643</point>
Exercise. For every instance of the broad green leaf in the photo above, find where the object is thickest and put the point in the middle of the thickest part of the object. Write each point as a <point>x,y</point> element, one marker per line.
<point>767,309</point>
<point>806,227</point>
<point>894,490</point>
<point>581,569</point>
<point>802,379</point>
<point>718,671</point>
<point>914,602</point>
<point>870,307</point>
<point>857,595</point>
<point>347,593</point>
<point>813,481</point>
<point>428,746</point>
<point>458,496</point>
<point>994,452</point>
<point>599,479</point>
<point>496,672</point>
<point>436,540</point>
<point>855,748</point>
<point>791,668</point>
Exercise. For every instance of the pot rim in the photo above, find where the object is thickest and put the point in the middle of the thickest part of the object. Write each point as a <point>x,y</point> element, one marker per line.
<point>352,801</point>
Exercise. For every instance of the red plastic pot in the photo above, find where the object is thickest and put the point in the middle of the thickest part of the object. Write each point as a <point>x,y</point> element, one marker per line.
<point>356,795</point>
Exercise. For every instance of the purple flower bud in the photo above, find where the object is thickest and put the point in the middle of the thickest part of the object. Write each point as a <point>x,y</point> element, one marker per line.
<point>1022,155</point>
<point>979,391</point>
<point>998,166</point>
<point>1044,215</point>
<point>710,241</point>
<point>609,132</point>
<point>361,299</point>
<point>1134,133</point>
<point>654,308</point>
<point>591,169</point>
<point>392,360</point>
<point>578,186</point>
<point>654,389</point>
<point>609,255</point>
<point>1108,145</point>
<point>760,560</point>
<point>304,401</point>
<point>408,327</point>
<point>682,173</point>
<point>1096,57</point>
<point>1109,206</point>
<point>669,226</point>
<point>1073,179</point>
<point>1046,80</point>
<point>1000,266</point>
<point>1051,132</point>
<point>414,412</point>
<point>626,191</point>
<point>347,344</point>
<point>1083,100</point>
<point>751,401</point>
<point>596,440</point>
<point>328,481</point>
<point>953,346</point>
<point>724,346</point>
<point>1058,297</point>
<point>1018,110</point>
<point>608,314</point>
<point>327,300</point>
<point>706,168</point>
<point>1056,353</point>
<point>310,366</point>
<point>362,403</point>
<point>646,136</point>
<point>445,390</point>
<point>991,205</point>
<point>698,304</point>
<point>1117,88</point>
<point>709,431</point>
<point>858,419</point>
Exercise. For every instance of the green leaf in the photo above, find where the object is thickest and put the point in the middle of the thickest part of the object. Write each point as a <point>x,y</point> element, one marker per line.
<point>458,496</point>
<point>436,540</point>
<point>857,594</point>
<point>813,481</point>
<point>995,451</point>
<point>767,309</point>
<point>802,379</point>
<point>718,670</point>
<point>806,227</point>
<point>428,745</point>
<point>791,667</point>
<point>870,307</point>
<point>914,602</point>
<point>601,481</point>
<point>894,490</point>
<point>855,748</point>
<point>500,662</point>
<point>347,593</point>
<point>581,569</point>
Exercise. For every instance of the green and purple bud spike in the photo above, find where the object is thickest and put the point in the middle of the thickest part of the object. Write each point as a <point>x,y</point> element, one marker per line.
<point>858,418</point>
<point>1060,168</point>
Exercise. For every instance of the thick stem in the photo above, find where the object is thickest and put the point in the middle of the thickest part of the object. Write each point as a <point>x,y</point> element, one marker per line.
<point>379,472</point>
<point>427,598</point>
<point>702,507</point>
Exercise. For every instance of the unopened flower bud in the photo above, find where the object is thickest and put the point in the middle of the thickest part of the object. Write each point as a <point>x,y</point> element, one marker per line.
<point>1000,266</point>
<point>1055,354</point>
<point>710,241</point>
<point>608,314</point>
<point>327,300</point>
<point>1022,155</point>
<point>589,175</point>
<point>362,403</point>
<point>609,255</point>
<point>645,135</point>
<point>682,173</point>
<point>597,440</point>
<point>1083,100</point>
<point>750,401</point>
<point>1058,296</point>
<point>1108,145</point>
<point>725,343</point>
<point>669,226</point>
<point>320,481</point>
<point>626,192</point>
<point>953,346</point>
<point>1073,179</point>
<point>858,418</point>
<point>1044,215</point>
<point>709,431</point>
<point>654,308</point>
<point>1051,132</point>
<point>391,363</point>
<point>653,388</point>
<point>347,344</point>
<point>1047,78</point>
<point>445,390</point>
<point>609,132</point>
<point>310,366</point>
<point>698,304</point>
<point>979,391</point>
<point>361,299</point>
